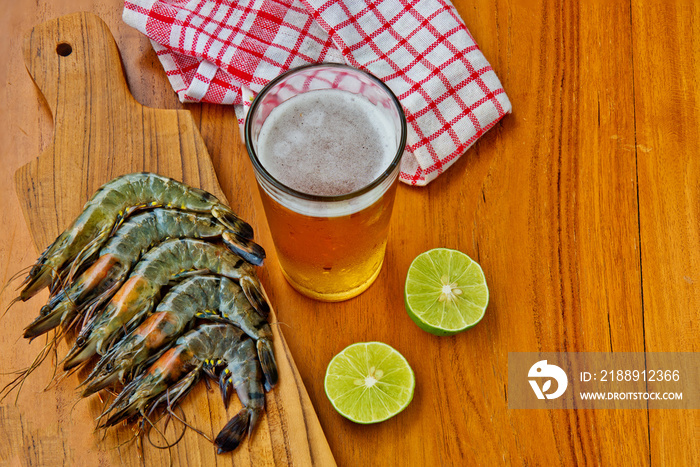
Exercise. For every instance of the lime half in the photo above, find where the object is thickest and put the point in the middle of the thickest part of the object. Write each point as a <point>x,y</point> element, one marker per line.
<point>445,291</point>
<point>369,382</point>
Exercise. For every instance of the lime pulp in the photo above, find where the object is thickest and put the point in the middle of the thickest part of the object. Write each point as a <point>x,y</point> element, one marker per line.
<point>369,382</point>
<point>445,291</point>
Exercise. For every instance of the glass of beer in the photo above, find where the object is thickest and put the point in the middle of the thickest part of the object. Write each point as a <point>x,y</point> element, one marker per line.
<point>326,142</point>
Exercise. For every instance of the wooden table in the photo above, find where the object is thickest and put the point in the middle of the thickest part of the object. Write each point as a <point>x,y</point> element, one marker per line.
<point>582,207</point>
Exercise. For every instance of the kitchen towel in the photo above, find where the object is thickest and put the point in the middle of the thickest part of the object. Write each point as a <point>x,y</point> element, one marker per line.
<point>226,51</point>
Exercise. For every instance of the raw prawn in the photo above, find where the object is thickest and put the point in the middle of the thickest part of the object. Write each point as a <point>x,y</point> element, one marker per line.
<point>96,285</point>
<point>168,261</point>
<point>209,349</point>
<point>113,202</point>
<point>210,297</point>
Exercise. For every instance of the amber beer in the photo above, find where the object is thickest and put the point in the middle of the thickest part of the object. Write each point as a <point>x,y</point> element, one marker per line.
<point>326,142</point>
<point>330,258</point>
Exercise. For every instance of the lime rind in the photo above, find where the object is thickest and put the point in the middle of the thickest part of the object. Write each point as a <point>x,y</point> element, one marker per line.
<point>424,285</point>
<point>388,396</point>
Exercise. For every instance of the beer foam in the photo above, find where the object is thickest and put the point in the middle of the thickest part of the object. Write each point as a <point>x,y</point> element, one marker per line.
<point>327,142</point>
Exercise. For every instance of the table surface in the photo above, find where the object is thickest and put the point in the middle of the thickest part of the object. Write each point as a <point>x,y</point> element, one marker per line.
<point>582,207</point>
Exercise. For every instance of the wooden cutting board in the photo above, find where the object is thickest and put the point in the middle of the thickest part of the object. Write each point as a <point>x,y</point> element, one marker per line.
<point>100,132</point>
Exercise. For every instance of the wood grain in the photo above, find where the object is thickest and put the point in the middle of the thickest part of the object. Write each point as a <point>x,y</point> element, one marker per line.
<point>100,132</point>
<point>581,207</point>
<point>667,123</point>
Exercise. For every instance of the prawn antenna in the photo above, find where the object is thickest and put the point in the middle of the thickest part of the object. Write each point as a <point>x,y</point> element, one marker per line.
<point>280,323</point>
<point>66,374</point>
<point>162,435</point>
<point>22,375</point>
<point>14,277</point>
<point>184,422</point>
<point>9,281</point>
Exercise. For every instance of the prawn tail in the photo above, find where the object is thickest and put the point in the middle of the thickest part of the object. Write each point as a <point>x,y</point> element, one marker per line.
<point>253,292</point>
<point>243,247</point>
<point>231,221</point>
<point>233,433</point>
<point>267,363</point>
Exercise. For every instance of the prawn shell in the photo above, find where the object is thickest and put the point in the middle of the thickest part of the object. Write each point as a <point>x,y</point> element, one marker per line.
<point>136,298</point>
<point>111,203</point>
<point>178,369</point>
<point>212,298</point>
<point>96,285</point>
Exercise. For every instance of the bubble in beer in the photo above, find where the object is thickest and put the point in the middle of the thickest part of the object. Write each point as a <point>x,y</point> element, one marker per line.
<point>326,142</point>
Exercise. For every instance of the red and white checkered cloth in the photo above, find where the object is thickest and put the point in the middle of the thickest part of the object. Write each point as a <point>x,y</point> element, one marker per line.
<point>226,51</point>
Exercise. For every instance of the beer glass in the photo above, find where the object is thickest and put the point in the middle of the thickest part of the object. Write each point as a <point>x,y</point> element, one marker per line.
<point>330,247</point>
